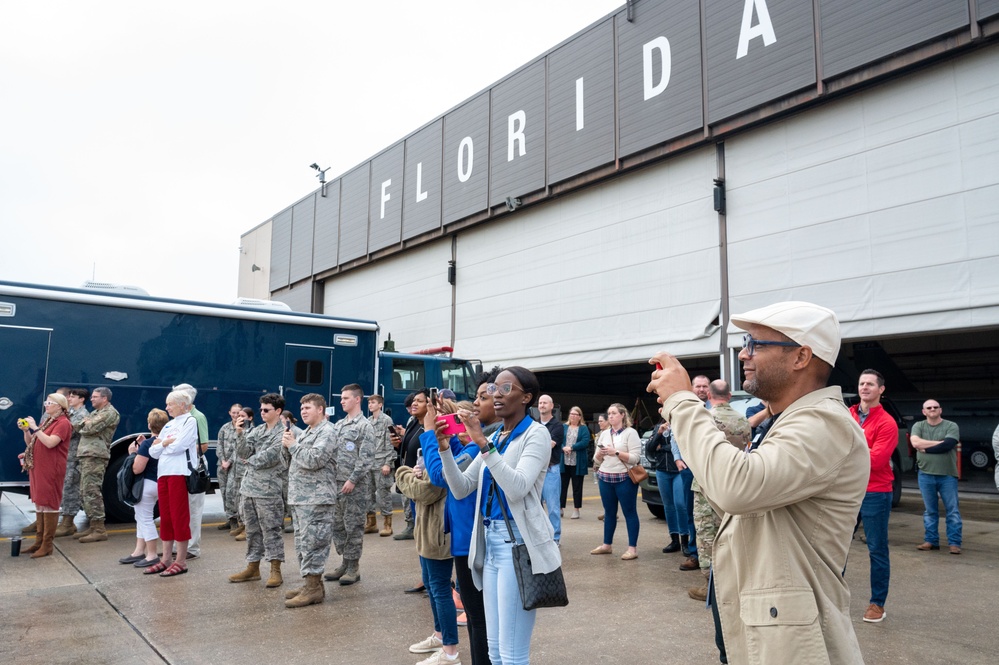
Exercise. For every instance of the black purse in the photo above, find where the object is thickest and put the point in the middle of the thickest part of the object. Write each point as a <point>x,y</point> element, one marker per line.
<point>536,590</point>
<point>198,481</point>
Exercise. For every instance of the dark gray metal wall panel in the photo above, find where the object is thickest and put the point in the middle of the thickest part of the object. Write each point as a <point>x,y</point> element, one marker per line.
<point>677,109</point>
<point>421,205</point>
<point>297,296</point>
<point>280,249</point>
<point>573,149</point>
<point>987,8</point>
<point>856,32</point>
<point>327,228</point>
<point>766,72</point>
<point>353,214</point>
<point>524,92</point>
<point>303,218</point>
<point>385,217</point>
<point>470,124</point>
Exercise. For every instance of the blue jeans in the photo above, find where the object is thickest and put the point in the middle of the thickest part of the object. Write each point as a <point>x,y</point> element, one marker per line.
<point>674,501</point>
<point>551,493</point>
<point>946,486</point>
<point>625,493</point>
<point>874,512</point>
<point>687,477</point>
<point>437,579</point>
<point>508,624</point>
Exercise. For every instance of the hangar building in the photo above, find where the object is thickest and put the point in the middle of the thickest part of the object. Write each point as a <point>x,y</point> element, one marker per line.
<point>671,164</point>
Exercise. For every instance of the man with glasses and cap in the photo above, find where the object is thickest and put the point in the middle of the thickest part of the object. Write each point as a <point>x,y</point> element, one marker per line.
<point>935,441</point>
<point>789,506</point>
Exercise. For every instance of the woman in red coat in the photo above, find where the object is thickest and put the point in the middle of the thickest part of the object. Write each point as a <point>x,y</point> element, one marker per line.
<point>44,458</point>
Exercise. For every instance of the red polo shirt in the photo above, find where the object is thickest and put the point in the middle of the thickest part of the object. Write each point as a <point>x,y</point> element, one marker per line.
<point>881,433</point>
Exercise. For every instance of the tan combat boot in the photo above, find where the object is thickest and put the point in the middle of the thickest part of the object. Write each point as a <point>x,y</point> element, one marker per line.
<point>251,573</point>
<point>239,529</point>
<point>86,532</point>
<point>36,529</point>
<point>291,593</point>
<point>66,527</point>
<point>700,593</point>
<point>386,526</point>
<point>97,533</point>
<point>371,524</point>
<point>275,579</point>
<point>49,521</point>
<point>352,574</point>
<point>312,593</point>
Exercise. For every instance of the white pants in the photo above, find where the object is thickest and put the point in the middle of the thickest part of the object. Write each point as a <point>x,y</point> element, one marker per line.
<point>196,502</point>
<point>145,527</point>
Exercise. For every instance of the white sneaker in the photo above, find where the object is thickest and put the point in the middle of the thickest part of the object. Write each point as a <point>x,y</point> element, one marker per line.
<point>440,658</point>
<point>575,515</point>
<point>426,646</point>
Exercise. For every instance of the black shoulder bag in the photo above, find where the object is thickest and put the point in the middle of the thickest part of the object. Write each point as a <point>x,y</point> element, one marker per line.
<point>536,590</point>
<point>198,481</point>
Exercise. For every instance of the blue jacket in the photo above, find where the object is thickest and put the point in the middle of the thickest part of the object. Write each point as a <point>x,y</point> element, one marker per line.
<point>581,447</point>
<point>459,514</point>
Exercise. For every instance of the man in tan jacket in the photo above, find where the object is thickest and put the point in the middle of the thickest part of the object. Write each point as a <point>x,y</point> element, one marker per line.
<point>790,505</point>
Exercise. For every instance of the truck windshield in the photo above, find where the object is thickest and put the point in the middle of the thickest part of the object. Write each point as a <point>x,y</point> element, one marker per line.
<point>458,377</point>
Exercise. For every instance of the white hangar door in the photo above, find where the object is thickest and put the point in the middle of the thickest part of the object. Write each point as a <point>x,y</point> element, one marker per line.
<point>604,276</point>
<point>883,206</point>
<point>407,294</point>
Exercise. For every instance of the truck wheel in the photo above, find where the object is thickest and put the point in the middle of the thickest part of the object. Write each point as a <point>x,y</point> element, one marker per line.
<point>979,459</point>
<point>657,510</point>
<point>115,510</point>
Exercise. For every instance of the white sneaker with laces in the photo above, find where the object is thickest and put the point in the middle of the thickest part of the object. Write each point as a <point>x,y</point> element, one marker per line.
<point>427,646</point>
<point>440,658</point>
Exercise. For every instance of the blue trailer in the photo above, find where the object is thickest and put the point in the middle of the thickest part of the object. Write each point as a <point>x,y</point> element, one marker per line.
<point>140,346</point>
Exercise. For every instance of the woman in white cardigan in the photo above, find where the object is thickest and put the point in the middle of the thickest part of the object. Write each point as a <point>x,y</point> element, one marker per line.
<point>511,468</point>
<point>618,449</point>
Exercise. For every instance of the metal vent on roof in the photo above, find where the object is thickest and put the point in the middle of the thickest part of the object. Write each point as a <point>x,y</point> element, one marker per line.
<point>110,287</point>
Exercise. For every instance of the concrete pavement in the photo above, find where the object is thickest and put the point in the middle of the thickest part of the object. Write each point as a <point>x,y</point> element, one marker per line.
<point>81,606</point>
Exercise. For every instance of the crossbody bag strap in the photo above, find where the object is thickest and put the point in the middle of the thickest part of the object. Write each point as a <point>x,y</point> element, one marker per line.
<point>506,516</point>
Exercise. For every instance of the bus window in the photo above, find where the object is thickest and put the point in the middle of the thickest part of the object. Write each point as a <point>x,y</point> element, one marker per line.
<point>308,372</point>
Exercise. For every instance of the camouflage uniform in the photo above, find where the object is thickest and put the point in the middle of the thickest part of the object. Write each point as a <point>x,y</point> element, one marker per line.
<point>354,451</point>
<point>92,455</point>
<point>312,496</point>
<point>225,450</point>
<point>71,486</point>
<point>266,462</point>
<point>706,521</point>
<point>379,492</point>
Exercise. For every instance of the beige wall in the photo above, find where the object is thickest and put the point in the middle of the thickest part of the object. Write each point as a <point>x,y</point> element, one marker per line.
<point>255,250</point>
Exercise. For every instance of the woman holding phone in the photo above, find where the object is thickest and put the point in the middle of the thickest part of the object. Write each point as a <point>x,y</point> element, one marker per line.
<point>618,448</point>
<point>509,473</point>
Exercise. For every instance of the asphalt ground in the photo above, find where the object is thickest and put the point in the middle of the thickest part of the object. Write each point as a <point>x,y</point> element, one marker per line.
<point>81,606</point>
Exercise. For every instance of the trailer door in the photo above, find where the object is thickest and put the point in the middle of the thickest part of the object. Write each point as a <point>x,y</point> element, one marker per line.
<point>24,359</point>
<point>307,369</point>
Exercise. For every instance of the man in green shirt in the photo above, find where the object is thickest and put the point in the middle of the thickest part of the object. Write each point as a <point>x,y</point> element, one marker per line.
<point>935,441</point>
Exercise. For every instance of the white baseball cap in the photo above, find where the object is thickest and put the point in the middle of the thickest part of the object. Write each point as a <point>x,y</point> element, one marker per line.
<point>807,324</point>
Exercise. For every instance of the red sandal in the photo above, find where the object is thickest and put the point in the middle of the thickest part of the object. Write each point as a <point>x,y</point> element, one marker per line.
<point>174,569</point>
<point>157,567</point>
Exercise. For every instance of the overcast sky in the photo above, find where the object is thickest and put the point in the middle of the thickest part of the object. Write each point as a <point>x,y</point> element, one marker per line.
<point>138,141</point>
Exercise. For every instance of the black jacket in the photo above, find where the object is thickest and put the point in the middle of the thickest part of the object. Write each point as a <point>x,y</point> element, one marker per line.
<point>659,454</point>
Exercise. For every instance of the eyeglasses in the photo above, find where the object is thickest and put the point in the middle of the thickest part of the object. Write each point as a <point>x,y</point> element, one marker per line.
<point>266,409</point>
<point>502,388</point>
<point>49,403</point>
<point>750,344</point>
<point>931,408</point>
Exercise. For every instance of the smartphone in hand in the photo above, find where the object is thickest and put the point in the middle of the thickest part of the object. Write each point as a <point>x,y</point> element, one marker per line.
<point>454,424</point>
